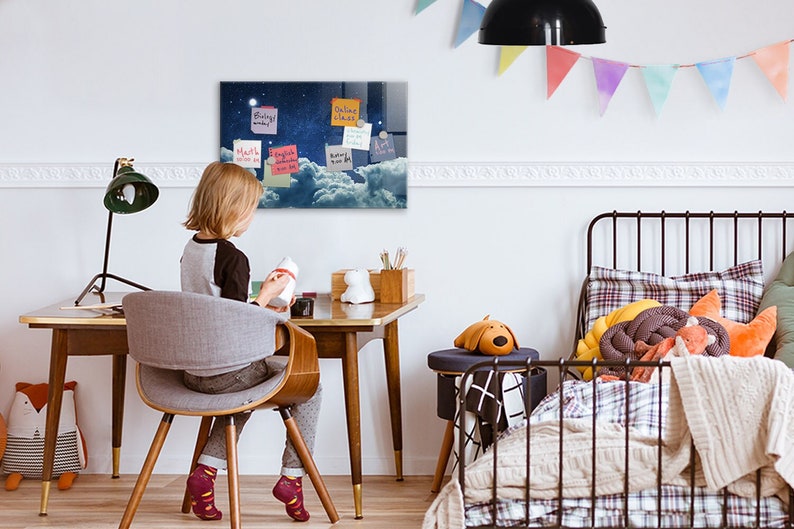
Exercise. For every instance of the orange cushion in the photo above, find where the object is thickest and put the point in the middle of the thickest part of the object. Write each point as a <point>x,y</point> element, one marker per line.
<point>747,339</point>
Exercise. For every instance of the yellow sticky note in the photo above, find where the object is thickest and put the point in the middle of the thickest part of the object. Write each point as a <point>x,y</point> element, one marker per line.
<point>344,112</point>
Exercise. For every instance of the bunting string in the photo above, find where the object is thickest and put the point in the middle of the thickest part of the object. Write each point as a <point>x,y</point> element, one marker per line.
<point>773,61</point>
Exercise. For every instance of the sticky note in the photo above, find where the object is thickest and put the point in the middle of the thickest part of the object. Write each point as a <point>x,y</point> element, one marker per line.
<point>275,180</point>
<point>248,153</point>
<point>286,159</point>
<point>357,137</point>
<point>381,149</point>
<point>338,158</point>
<point>264,120</point>
<point>344,112</point>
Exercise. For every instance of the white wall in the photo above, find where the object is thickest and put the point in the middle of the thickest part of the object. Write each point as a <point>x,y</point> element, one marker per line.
<point>84,83</point>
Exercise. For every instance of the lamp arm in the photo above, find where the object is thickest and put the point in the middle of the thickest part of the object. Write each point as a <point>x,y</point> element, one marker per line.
<point>107,252</point>
<point>107,234</point>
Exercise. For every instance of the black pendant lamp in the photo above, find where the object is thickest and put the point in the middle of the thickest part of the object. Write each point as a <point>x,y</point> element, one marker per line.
<point>541,22</point>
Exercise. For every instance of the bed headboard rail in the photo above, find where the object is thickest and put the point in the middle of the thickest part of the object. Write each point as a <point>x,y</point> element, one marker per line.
<point>682,242</point>
<point>718,230</point>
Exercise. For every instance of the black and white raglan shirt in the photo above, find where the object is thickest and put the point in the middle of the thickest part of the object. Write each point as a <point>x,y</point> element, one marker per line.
<point>215,267</point>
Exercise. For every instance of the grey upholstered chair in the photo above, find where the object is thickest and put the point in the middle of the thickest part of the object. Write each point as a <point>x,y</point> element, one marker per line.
<point>169,332</point>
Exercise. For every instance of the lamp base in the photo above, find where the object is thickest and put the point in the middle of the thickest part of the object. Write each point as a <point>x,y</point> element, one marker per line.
<point>92,286</point>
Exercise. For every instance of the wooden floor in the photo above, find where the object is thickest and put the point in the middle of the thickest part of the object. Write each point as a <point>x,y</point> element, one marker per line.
<point>96,501</point>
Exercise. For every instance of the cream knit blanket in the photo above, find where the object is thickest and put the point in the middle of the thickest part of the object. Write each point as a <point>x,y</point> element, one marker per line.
<point>736,410</point>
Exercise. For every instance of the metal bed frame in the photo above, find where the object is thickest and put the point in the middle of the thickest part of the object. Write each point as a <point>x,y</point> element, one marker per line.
<point>717,243</point>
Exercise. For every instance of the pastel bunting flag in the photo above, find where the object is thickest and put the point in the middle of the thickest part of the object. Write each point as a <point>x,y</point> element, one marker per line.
<point>559,62</point>
<point>608,75</point>
<point>658,80</point>
<point>773,61</point>
<point>422,4</point>
<point>470,18</point>
<point>717,75</point>
<point>507,55</point>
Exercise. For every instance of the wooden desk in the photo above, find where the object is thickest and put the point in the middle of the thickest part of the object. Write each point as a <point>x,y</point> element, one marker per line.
<point>340,330</point>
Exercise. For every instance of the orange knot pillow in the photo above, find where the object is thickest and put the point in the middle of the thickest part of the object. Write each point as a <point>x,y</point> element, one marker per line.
<point>747,339</point>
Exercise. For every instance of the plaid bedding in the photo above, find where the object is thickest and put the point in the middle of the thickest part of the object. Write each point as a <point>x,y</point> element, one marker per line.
<point>740,288</point>
<point>639,408</point>
<point>609,402</point>
<point>642,508</point>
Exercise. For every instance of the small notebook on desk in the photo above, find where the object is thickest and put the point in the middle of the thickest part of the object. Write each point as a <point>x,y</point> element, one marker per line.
<point>105,308</point>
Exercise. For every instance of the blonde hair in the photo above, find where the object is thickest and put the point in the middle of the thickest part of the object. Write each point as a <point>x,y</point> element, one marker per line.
<point>224,195</point>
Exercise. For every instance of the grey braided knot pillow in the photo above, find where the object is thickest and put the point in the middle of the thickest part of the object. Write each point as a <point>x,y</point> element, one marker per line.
<point>652,326</point>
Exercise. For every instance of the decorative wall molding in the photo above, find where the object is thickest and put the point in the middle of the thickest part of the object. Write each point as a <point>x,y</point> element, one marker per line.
<point>439,174</point>
<point>603,174</point>
<point>95,175</point>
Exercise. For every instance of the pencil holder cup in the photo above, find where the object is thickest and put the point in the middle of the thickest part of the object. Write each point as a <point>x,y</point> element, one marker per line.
<point>396,286</point>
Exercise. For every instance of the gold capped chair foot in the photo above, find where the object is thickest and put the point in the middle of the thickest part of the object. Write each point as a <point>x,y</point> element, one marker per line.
<point>398,464</point>
<point>116,460</point>
<point>45,497</point>
<point>357,501</point>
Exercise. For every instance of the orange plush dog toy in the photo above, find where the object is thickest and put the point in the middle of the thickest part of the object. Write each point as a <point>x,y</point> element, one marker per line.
<point>489,337</point>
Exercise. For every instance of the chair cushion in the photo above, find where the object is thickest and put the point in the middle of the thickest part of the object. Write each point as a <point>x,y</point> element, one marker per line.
<point>163,389</point>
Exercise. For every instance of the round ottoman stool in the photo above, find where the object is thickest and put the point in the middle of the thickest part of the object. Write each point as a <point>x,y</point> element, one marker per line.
<point>449,364</point>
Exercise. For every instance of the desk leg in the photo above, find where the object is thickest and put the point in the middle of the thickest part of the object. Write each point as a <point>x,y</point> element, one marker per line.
<point>353,414</point>
<point>391,350</point>
<point>119,380</point>
<point>54,399</point>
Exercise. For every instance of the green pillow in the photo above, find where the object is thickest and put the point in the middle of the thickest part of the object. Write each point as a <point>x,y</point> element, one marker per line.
<point>781,293</point>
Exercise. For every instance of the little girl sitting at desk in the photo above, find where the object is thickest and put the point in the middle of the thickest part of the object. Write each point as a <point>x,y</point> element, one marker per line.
<point>223,206</point>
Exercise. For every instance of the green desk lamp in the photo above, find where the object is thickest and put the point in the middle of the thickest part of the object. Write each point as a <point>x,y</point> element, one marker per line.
<point>128,192</point>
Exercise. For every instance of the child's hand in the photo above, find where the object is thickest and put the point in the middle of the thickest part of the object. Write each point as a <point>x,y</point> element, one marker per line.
<point>283,309</point>
<point>272,286</point>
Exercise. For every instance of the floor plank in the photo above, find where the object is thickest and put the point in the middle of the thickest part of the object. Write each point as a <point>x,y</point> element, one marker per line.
<point>96,501</point>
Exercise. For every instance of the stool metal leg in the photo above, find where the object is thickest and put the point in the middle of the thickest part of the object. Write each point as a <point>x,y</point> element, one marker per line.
<point>443,456</point>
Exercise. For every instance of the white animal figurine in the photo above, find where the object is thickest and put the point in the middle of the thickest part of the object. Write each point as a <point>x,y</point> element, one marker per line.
<point>359,289</point>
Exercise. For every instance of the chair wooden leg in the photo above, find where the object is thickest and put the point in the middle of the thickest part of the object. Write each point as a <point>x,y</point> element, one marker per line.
<point>201,442</point>
<point>146,471</point>
<point>308,464</point>
<point>443,456</point>
<point>232,472</point>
